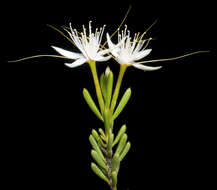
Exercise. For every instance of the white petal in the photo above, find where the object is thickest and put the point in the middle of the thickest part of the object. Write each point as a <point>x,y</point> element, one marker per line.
<point>123,61</point>
<point>142,54</point>
<point>68,54</point>
<point>112,47</point>
<point>145,68</point>
<point>110,44</point>
<point>76,63</point>
<point>101,58</point>
<point>103,52</point>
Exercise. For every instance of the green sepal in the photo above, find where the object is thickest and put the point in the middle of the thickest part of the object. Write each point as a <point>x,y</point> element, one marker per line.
<point>110,141</point>
<point>120,134</point>
<point>121,144</point>
<point>98,138</point>
<point>109,85</point>
<point>114,176</point>
<point>125,151</point>
<point>98,159</point>
<point>116,162</point>
<point>91,104</point>
<point>96,147</point>
<point>99,173</point>
<point>122,103</point>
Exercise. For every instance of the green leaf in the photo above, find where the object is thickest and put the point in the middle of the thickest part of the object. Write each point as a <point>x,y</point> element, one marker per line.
<point>99,173</point>
<point>106,83</point>
<point>120,134</point>
<point>122,103</point>
<point>110,141</point>
<point>121,144</point>
<point>115,162</point>
<point>114,176</point>
<point>91,104</point>
<point>102,134</point>
<point>103,85</point>
<point>96,147</point>
<point>98,160</point>
<point>108,120</point>
<point>125,151</point>
<point>109,85</point>
<point>98,138</point>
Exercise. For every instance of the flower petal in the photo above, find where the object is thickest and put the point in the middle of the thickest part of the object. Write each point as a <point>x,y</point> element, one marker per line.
<point>103,52</point>
<point>110,44</point>
<point>76,63</point>
<point>142,54</point>
<point>112,47</point>
<point>68,54</point>
<point>101,58</point>
<point>145,68</point>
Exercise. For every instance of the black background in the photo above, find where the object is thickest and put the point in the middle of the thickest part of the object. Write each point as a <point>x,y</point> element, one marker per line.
<point>46,123</point>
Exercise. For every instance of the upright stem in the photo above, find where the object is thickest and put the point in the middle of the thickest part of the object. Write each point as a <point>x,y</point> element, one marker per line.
<point>108,119</point>
<point>118,85</point>
<point>92,65</point>
<point>107,113</point>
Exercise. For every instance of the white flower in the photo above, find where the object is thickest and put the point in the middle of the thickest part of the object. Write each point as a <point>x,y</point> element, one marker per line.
<point>89,47</point>
<point>128,52</point>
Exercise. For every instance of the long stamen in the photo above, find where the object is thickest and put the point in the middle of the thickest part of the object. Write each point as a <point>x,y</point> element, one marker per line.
<point>37,56</point>
<point>173,58</point>
<point>149,27</point>
<point>146,45</point>
<point>117,30</point>
<point>61,33</point>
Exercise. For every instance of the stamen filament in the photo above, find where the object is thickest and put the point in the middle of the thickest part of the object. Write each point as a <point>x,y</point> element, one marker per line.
<point>61,33</point>
<point>37,56</point>
<point>125,17</point>
<point>173,58</point>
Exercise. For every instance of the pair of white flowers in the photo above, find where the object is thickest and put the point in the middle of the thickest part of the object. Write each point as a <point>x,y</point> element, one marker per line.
<point>126,52</point>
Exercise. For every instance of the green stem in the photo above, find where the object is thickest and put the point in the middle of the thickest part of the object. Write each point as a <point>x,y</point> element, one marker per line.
<point>92,65</point>
<point>118,85</point>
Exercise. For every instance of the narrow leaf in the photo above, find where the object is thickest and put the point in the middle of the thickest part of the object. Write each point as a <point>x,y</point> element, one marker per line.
<point>109,85</point>
<point>114,176</point>
<point>108,120</point>
<point>110,141</point>
<point>97,137</point>
<point>103,85</point>
<point>91,104</point>
<point>120,134</point>
<point>115,162</point>
<point>102,132</point>
<point>99,173</point>
<point>121,144</point>
<point>122,103</point>
<point>98,160</point>
<point>96,147</point>
<point>125,151</point>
